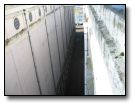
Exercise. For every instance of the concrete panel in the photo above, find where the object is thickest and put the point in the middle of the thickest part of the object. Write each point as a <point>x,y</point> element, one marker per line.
<point>53,45</point>
<point>64,30</point>
<point>73,23</point>
<point>67,21</point>
<point>69,24</point>
<point>12,85</point>
<point>25,67</point>
<point>42,58</point>
<point>59,35</point>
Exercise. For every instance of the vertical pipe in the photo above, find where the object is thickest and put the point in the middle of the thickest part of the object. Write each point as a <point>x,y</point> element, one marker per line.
<point>57,39</point>
<point>49,51</point>
<point>62,32</point>
<point>32,51</point>
<point>65,27</point>
<point>87,43</point>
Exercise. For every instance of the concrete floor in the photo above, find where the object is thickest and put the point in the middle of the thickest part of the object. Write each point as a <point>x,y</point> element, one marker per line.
<point>76,74</point>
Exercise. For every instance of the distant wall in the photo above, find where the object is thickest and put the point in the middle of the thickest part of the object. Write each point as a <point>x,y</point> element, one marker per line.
<point>109,29</point>
<point>79,16</point>
<point>36,42</point>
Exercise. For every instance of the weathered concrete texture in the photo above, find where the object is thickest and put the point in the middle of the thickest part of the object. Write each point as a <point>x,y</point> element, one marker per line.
<point>89,90</point>
<point>112,43</point>
<point>88,66</point>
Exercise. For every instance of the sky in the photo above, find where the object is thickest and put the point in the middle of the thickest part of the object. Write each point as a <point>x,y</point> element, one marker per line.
<point>118,7</point>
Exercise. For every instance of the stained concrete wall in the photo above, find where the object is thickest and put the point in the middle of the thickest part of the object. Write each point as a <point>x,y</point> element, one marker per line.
<point>108,27</point>
<point>35,48</point>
